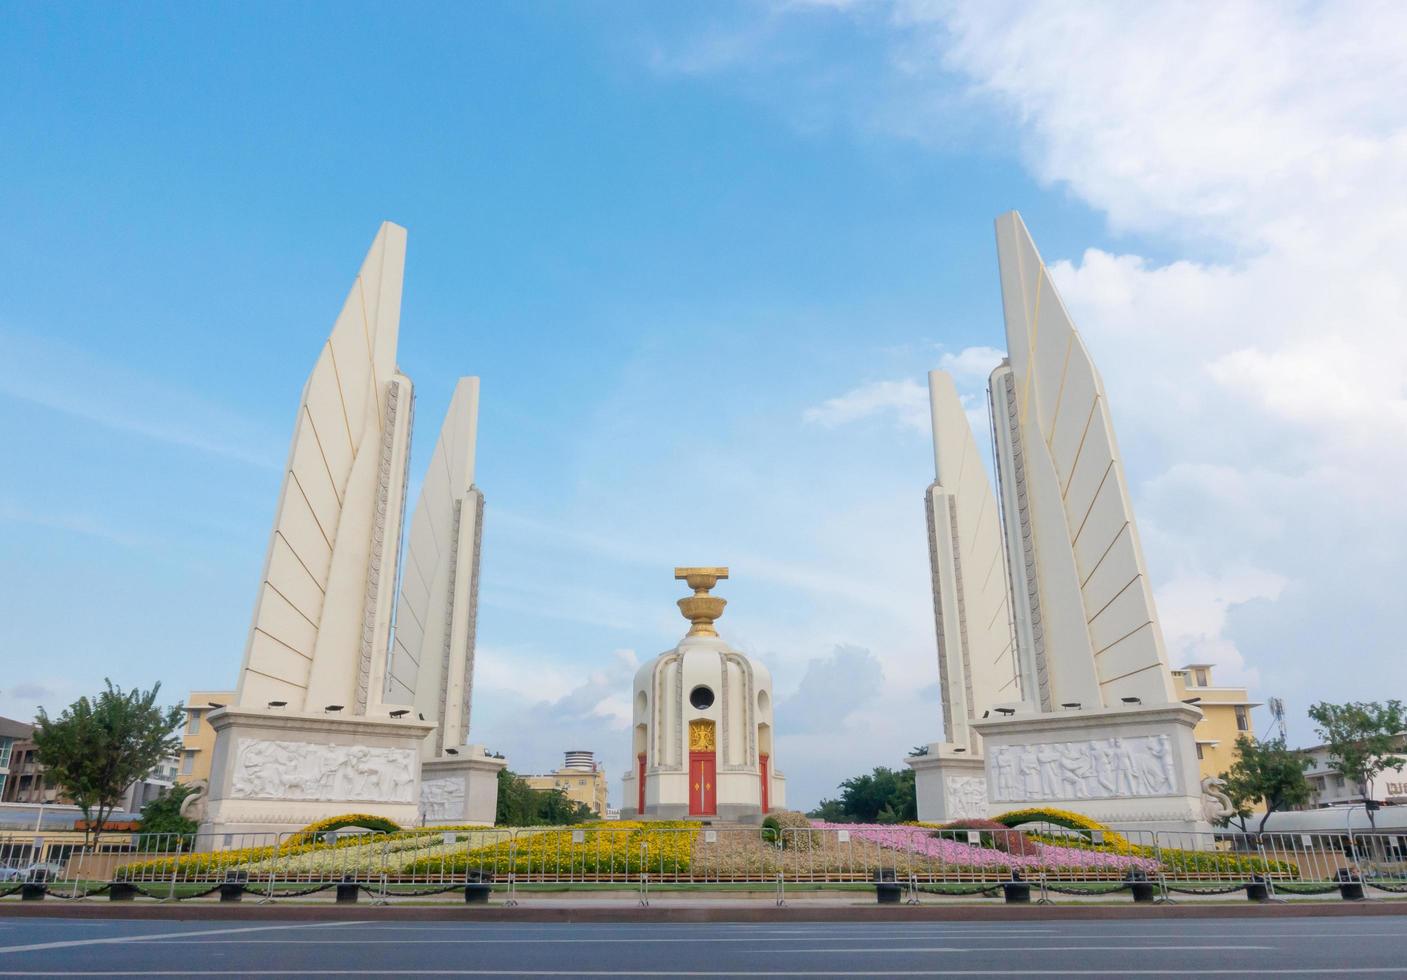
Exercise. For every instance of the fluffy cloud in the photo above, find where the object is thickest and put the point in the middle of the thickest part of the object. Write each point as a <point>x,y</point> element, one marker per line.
<point>905,400</point>
<point>1257,368</point>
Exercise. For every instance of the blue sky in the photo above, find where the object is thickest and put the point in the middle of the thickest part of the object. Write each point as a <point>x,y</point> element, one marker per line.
<point>701,257</point>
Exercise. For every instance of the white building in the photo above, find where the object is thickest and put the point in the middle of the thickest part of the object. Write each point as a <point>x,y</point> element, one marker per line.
<point>702,729</point>
<point>1331,789</point>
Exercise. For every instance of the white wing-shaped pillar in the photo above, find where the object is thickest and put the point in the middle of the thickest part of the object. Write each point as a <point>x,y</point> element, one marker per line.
<point>976,655</point>
<point>432,664</point>
<point>322,620</point>
<point>1086,625</point>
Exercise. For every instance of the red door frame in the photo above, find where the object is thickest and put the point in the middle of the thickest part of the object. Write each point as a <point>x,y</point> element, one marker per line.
<point>640,778</point>
<point>703,777</point>
<point>766,782</point>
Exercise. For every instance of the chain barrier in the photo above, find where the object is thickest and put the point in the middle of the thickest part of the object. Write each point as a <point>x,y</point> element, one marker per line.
<point>918,860</point>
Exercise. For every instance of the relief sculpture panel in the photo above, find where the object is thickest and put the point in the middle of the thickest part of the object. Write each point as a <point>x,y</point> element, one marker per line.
<point>1102,768</point>
<point>266,769</point>
<point>442,799</point>
<point>966,797</point>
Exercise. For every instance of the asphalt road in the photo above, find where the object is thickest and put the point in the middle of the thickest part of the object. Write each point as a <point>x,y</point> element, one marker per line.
<point>1299,947</point>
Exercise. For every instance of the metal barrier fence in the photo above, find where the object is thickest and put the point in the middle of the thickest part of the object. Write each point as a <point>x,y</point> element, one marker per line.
<point>385,866</point>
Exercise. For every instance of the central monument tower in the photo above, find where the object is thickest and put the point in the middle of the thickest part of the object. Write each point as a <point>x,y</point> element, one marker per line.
<point>702,724</point>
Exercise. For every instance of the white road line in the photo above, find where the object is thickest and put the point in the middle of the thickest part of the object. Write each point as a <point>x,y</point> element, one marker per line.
<point>145,937</point>
<point>1016,972</point>
<point>1001,949</point>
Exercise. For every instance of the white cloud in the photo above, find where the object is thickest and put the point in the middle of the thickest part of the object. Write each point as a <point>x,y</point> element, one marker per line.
<point>1258,381</point>
<point>972,364</point>
<point>905,400</point>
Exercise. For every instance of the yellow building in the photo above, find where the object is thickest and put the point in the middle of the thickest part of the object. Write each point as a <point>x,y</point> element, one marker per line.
<point>581,778</point>
<point>1226,713</point>
<point>198,737</point>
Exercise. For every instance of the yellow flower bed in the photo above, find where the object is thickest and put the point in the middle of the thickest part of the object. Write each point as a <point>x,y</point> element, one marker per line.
<point>618,847</point>
<point>1113,841</point>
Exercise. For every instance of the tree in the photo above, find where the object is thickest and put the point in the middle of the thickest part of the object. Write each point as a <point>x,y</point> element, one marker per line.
<point>519,805</point>
<point>163,827</point>
<point>883,796</point>
<point>1362,737</point>
<point>1265,771</point>
<point>100,746</point>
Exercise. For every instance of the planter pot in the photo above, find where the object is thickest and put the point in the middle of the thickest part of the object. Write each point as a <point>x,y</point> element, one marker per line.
<point>121,891</point>
<point>347,892</point>
<point>33,891</point>
<point>477,893</point>
<point>1256,891</point>
<point>1142,891</point>
<point>231,891</point>
<point>1017,892</point>
<point>888,893</point>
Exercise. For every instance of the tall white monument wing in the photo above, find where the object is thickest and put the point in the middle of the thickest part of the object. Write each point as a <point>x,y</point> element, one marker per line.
<point>321,624</point>
<point>1080,585</point>
<point>976,654</point>
<point>432,663</point>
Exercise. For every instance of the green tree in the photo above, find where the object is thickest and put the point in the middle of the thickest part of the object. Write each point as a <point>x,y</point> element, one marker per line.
<point>1265,771</point>
<point>100,746</point>
<point>163,827</point>
<point>519,805</point>
<point>831,811</point>
<point>883,796</point>
<point>1362,737</point>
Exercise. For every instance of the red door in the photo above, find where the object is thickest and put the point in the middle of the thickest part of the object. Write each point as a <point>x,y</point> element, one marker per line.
<point>703,798</point>
<point>766,782</point>
<point>640,779</point>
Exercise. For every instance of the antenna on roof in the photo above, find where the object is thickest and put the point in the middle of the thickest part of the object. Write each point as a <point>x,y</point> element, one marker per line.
<point>1277,712</point>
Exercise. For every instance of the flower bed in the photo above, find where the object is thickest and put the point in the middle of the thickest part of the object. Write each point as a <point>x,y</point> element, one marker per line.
<point>618,848</point>
<point>955,855</point>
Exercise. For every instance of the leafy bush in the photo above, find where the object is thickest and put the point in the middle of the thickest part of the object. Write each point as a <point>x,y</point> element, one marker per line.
<point>795,831</point>
<point>1083,825</point>
<point>997,836</point>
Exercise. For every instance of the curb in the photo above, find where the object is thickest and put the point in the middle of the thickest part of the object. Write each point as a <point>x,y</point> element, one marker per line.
<point>665,914</point>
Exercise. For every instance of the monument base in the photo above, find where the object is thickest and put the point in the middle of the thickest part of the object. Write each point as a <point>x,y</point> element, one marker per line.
<point>949,785</point>
<point>275,771</point>
<point>460,789</point>
<point>1131,768</point>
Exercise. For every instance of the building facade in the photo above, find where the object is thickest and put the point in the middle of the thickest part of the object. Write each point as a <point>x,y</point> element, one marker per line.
<point>1331,789</point>
<point>198,738</point>
<point>11,731</point>
<point>581,778</point>
<point>1226,714</point>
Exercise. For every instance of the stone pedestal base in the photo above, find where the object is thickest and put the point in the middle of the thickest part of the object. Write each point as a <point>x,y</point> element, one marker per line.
<point>1132,768</point>
<point>459,789</point>
<point>274,771</point>
<point>949,785</point>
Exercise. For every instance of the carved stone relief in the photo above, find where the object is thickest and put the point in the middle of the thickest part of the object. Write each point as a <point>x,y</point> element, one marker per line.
<point>965,796</point>
<point>266,769</point>
<point>442,799</point>
<point>1103,768</point>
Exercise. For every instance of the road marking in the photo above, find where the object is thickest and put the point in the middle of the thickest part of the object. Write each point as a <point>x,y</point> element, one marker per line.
<point>144,937</point>
<point>997,949</point>
<point>1017,972</point>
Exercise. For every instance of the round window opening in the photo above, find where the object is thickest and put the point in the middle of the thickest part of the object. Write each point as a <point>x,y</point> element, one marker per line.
<point>701,697</point>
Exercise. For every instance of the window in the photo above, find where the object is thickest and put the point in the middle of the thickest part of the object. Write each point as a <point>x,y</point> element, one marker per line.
<point>701,697</point>
<point>1338,782</point>
<point>5,747</point>
<point>1201,676</point>
<point>193,723</point>
<point>1200,754</point>
<point>1243,719</point>
<point>187,763</point>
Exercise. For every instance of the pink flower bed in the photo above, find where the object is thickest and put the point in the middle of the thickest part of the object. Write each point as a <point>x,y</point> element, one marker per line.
<point>916,840</point>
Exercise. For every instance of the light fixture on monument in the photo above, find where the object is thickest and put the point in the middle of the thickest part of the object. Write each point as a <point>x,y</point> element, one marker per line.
<point>702,724</point>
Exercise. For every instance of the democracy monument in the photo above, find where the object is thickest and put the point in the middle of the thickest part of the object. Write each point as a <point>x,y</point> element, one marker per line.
<point>329,719</point>
<point>1055,685</point>
<point>357,681</point>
